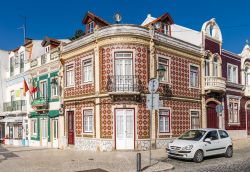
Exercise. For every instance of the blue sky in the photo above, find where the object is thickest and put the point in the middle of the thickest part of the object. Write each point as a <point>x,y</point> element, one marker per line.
<point>60,18</point>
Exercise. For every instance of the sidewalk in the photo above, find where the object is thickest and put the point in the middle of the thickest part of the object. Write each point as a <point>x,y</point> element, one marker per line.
<point>241,143</point>
<point>54,160</point>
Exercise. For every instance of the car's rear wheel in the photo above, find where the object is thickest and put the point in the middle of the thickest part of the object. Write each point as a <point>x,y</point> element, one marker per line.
<point>229,152</point>
<point>198,156</point>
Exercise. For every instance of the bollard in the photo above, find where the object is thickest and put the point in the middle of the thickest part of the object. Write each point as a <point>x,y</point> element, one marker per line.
<point>138,162</point>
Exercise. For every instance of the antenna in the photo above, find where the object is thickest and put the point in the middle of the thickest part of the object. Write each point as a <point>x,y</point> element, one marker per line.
<point>24,27</point>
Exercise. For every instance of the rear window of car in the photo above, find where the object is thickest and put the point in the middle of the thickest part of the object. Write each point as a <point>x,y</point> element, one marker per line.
<point>223,134</point>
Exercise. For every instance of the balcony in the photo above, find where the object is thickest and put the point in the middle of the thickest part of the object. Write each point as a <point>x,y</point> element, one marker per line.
<point>40,104</point>
<point>18,105</point>
<point>124,84</point>
<point>215,84</point>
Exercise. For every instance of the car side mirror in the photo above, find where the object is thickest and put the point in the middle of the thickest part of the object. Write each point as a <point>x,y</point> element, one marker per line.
<point>208,140</point>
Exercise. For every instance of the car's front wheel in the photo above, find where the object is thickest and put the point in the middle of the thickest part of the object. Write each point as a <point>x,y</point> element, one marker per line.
<point>198,156</point>
<point>229,152</point>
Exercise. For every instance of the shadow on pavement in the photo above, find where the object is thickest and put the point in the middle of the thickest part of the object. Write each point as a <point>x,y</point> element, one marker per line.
<point>6,154</point>
<point>94,170</point>
<point>185,160</point>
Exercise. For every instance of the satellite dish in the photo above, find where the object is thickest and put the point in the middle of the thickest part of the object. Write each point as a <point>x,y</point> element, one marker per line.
<point>117,18</point>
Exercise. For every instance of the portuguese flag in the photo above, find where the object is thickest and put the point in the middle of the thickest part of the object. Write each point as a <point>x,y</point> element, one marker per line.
<point>25,87</point>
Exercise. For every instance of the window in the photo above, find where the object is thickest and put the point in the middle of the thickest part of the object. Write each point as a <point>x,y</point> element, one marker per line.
<point>55,87</point>
<point>88,121</point>
<point>91,27</point>
<point>223,134</point>
<point>194,76</point>
<point>195,121</point>
<point>165,29</point>
<point>164,116</point>
<point>21,62</point>
<point>43,89</point>
<point>207,64</point>
<point>215,67</point>
<point>43,59</point>
<point>69,75</point>
<point>213,135</point>
<point>47,49</point>
<point>87,71</point>
<point>232,73</point>
<point>34,127</point>
<point>164,75</point>
<point>233,110</point>
<point>11,66</point>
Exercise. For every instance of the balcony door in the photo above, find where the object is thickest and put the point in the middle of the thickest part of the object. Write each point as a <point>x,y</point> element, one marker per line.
<point>44,132</point>
<point>123,72</point>
<point>124,129</point>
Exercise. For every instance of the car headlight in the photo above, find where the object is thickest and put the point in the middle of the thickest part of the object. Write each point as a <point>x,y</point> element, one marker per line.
<point>189,147</point>
<point>171,141</point>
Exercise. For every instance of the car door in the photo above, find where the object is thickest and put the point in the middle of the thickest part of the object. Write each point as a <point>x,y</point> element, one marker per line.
<point>224,140</point>
<point>211,148</point>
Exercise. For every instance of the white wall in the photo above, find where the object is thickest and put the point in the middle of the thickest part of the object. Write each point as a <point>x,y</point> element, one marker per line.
<point>3,70</point>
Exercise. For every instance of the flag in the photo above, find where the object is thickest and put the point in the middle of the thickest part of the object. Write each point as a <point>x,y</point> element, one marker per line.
<point>34,87</point>
<point>25,87</point>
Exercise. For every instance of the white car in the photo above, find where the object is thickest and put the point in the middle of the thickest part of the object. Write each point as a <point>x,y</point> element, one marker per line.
<point>196,144</point>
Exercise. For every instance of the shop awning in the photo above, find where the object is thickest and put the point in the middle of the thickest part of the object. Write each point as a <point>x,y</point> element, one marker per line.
<point>53,113</point>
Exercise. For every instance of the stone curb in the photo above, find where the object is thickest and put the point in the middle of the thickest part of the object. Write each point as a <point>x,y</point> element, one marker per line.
<point>159,167</point>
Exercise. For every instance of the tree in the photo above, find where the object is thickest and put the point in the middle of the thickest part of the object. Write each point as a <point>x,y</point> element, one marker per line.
<point>78,34</point>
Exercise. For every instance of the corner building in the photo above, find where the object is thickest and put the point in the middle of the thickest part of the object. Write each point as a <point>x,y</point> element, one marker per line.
<point>106,75</point>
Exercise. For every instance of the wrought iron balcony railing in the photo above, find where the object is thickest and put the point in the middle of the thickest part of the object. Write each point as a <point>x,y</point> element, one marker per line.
<point>40,104</point>
<point>18,105</point>
<point>124,84</point>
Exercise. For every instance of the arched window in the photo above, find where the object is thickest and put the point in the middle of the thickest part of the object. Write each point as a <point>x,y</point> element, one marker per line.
<point>207,65</point>
<point>247,75</point>
<point>215,66</point>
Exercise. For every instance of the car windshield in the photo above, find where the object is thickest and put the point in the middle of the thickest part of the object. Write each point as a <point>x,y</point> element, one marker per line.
<point>194,135</point>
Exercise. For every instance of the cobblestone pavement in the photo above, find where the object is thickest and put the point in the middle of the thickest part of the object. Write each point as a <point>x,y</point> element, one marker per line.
<point>240,162</point>
<point>27,159</point>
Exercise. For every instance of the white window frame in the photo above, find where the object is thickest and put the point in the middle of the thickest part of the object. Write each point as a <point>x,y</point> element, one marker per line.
<point>41,90</point>
<point>90,29</point>
<point>196,116</point>
<point>47,49</point>
<point>53,95</point>
<point>234,100</point>
<point>169,121</point>
<point>231,78</point>
<point>33,133</point>
<point>90,72</point>
<point>72,84</point>
<point>165,28</point>
<point>198,75</point>
<point>169,68</point>
<point>84,130</point>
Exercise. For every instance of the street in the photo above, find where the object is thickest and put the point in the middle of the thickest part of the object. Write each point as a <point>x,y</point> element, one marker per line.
<point>240,162</point>
<point>28,159</point>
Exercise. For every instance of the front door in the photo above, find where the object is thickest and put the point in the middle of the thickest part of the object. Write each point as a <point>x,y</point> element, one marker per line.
<point>71,139</point>
<point>44,130</point>
<point>123,71</point>
<point>55,133</point>
<point>212,118</point>
<point>124,129</point>
<point>248,121</point>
